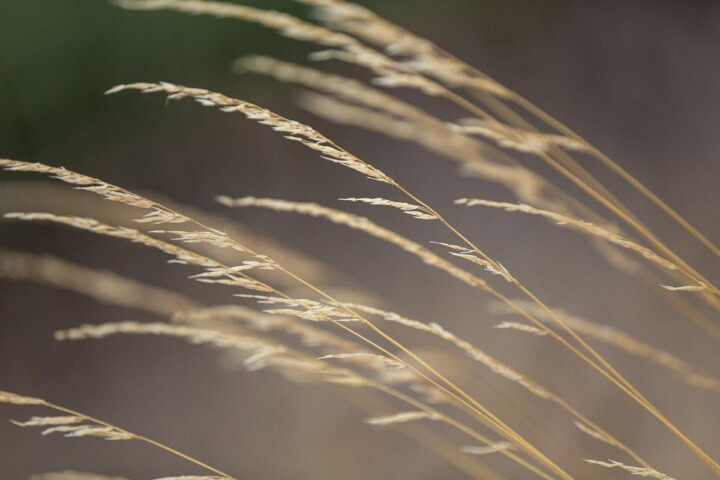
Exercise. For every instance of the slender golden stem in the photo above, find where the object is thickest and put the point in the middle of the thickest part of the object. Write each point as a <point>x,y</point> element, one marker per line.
<point>418,432</point>
<point>537,112</point>
<point>631,220</point>
<point>140,438</point>
<point>450,421</point>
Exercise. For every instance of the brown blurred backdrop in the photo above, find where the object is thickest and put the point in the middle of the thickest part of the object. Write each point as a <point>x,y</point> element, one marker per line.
<point>638,79</point>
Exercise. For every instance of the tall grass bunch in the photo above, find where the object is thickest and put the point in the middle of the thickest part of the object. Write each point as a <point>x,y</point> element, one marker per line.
<point>285,318</point>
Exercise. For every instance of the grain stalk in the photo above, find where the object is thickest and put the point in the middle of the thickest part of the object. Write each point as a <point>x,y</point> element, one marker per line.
<point>15,399</point>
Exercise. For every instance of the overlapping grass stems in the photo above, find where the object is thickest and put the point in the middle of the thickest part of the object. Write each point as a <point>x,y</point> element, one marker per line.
<point>478,145</point>
<point>219,273</point>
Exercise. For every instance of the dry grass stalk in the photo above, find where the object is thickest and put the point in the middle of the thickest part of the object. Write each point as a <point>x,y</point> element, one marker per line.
<point>688,288</point>
<point>474,158</point>
<point>97,428</point>
<point>522,327</point>
<point>595,434</point>
<point>432,60</point>
<point>104,286</point>
<point>70,431</point>
<point>293,130</point>
<point>467,347</point>
<point>502,428</point>
<point>157,214</point>
<point>389,72</point>
<point>218,272</point>
<point>400,418</point>
<point>24,195</point>
<point>261,353</point>
<point>116,289</point>
<point>15,399</point>
<point>637,471</point>
<point>497,447</point>
<point>585,227</point>
<point>366,357</point>
<point>308,309</point>
<point>429,59</point>
<point>309,335</point>
<point>357,223</point>
<point>482,412</point>
<point>689,373</point>
<point>559,401</point>
<point>415,211</point>
<point>423,55</point>
<point>496,268</point>
<point>606,370</point>
<point>514,138</point>
<point>385,369</point>
<point>45,421</point>
<point>343,87</point>
<point>402,120</point>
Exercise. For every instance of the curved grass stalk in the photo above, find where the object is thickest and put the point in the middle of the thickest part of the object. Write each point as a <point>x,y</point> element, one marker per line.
<point>442,447</point>
<point>624,174</point>
<point>584,227</point>
<point>104,286</point>
<point>450,421</point>
<point>15,399</point>
<point>635,224</point>
<point>675,301</point>
<point>689,373</point>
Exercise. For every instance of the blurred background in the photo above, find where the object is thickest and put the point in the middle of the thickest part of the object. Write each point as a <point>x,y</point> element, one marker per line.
<point>637,79</point>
